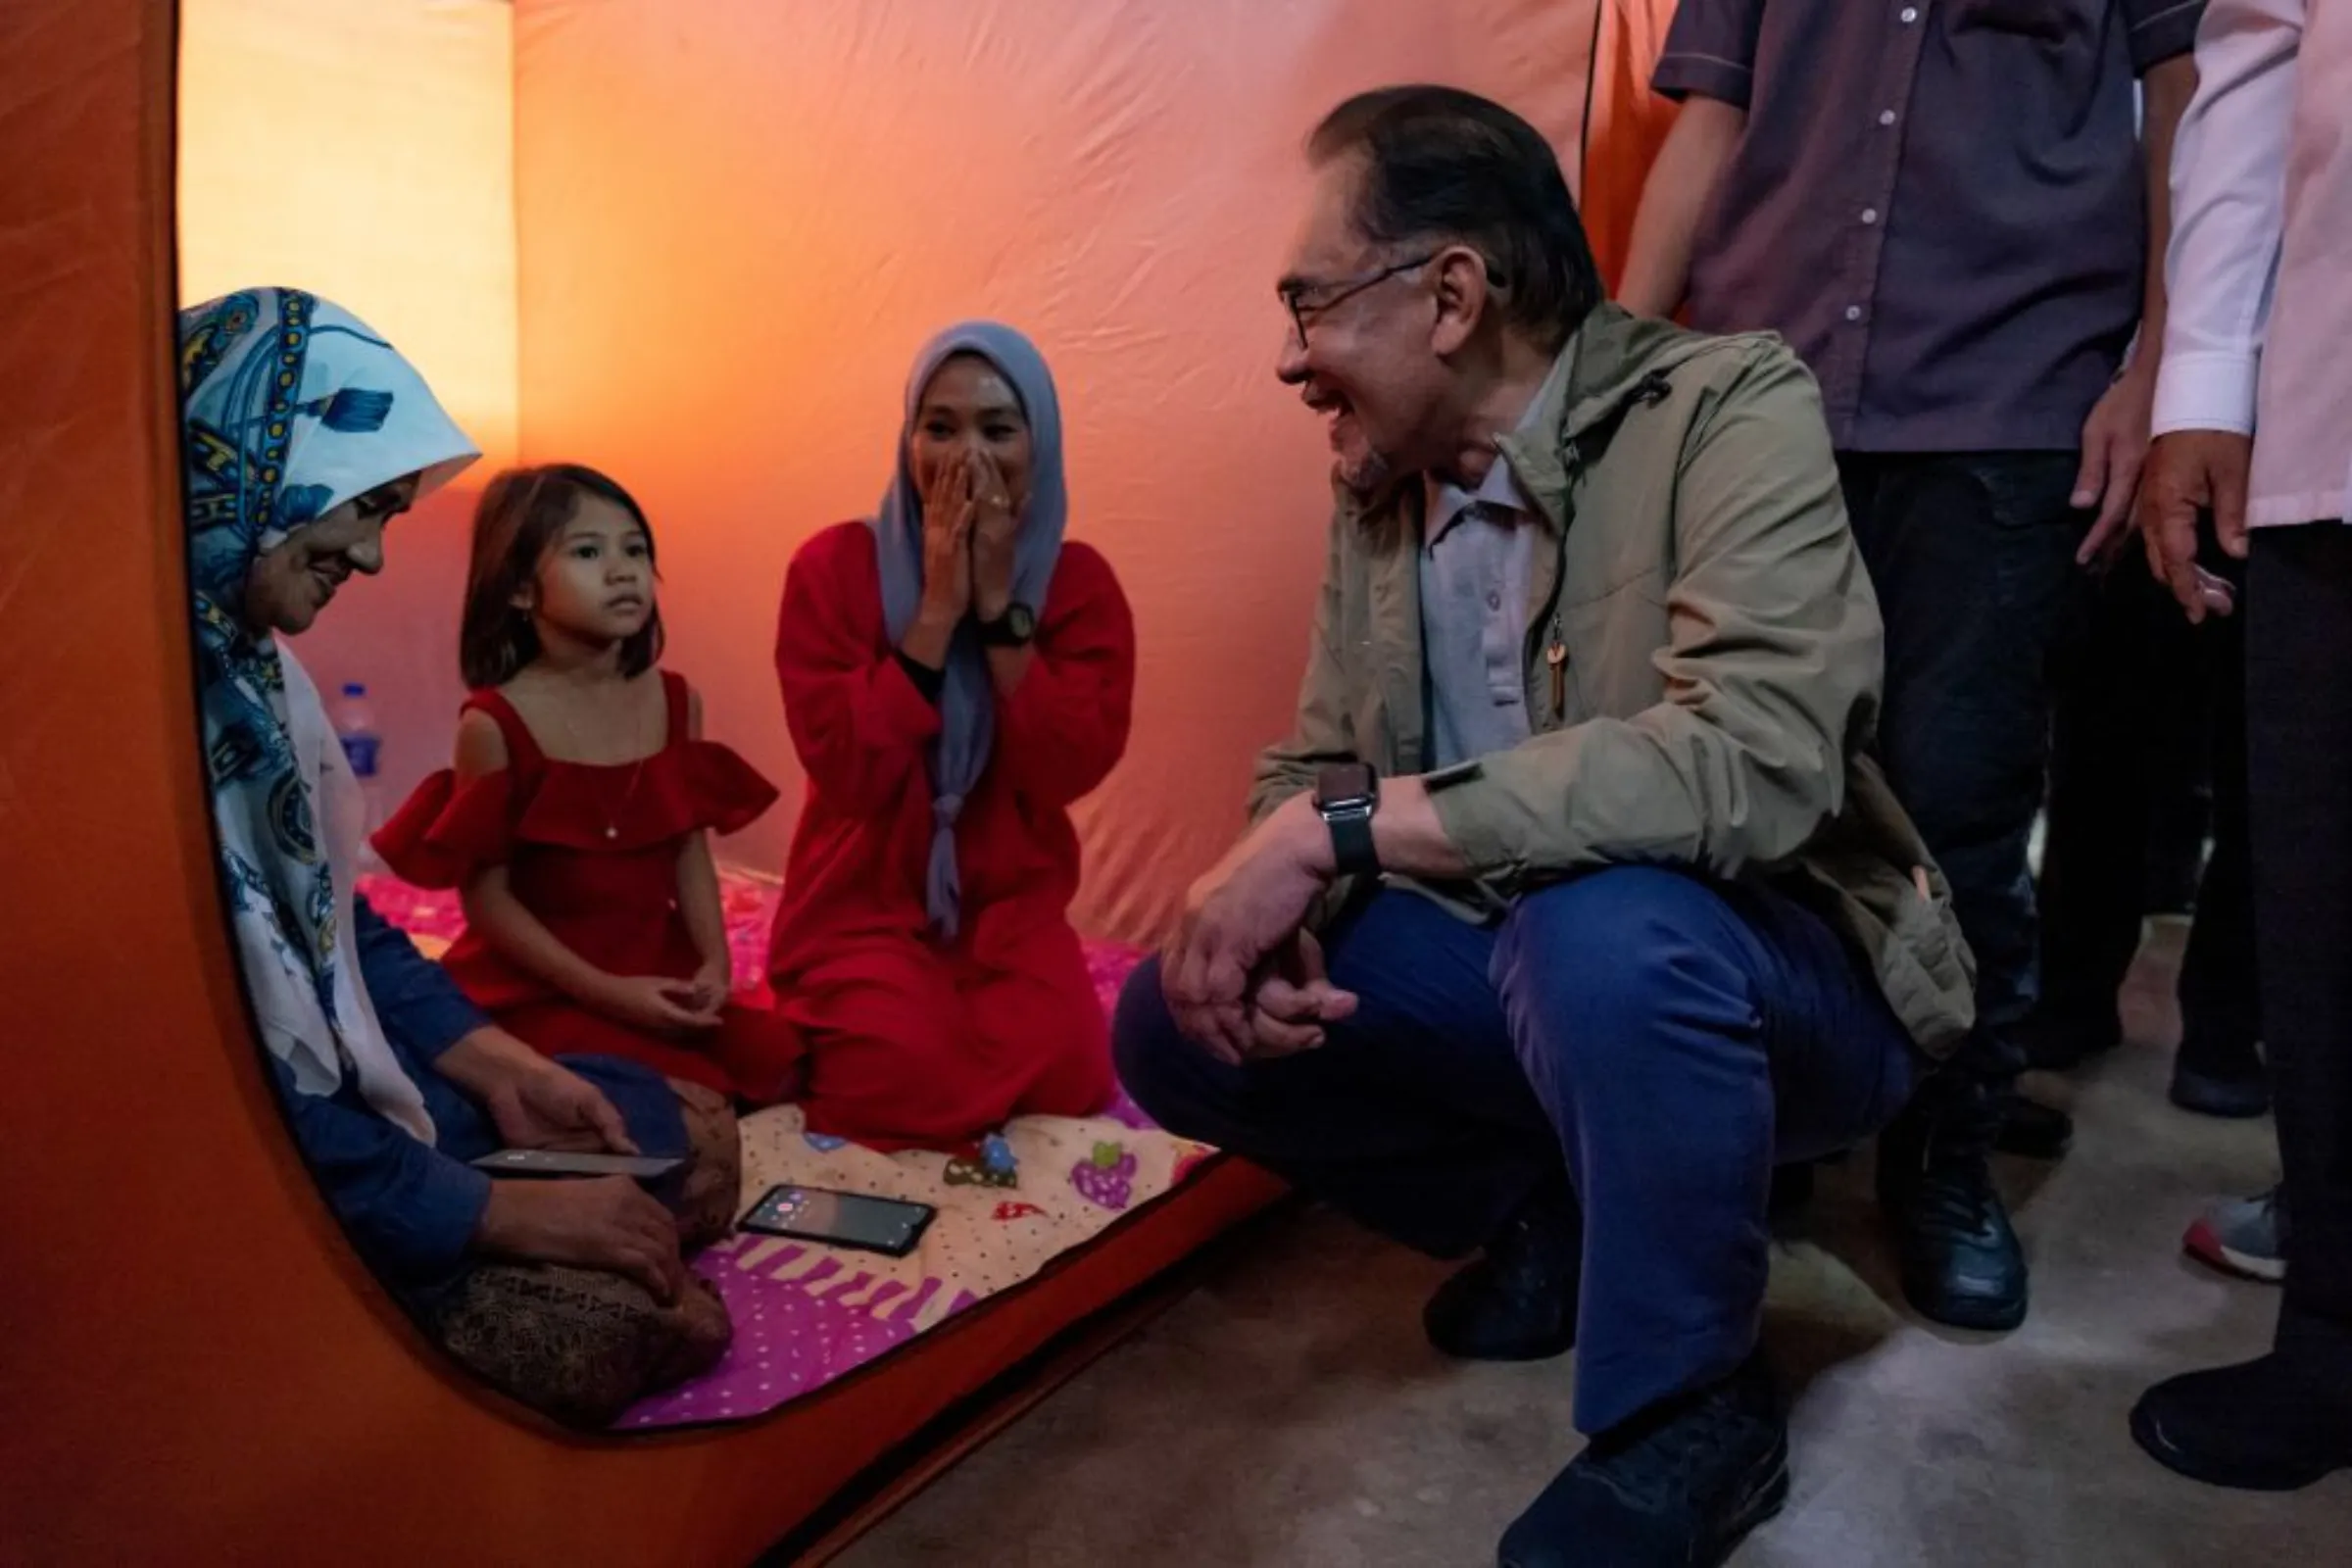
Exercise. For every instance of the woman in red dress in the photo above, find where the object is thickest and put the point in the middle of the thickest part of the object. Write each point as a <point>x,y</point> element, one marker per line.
<point>955,676</point>
<point>577,818</point>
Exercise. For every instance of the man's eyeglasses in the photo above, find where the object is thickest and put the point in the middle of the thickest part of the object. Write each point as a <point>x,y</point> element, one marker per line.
<point>1307,298</point>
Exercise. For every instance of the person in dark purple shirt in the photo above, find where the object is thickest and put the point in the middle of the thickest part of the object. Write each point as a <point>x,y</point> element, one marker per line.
<point>1946,209</point>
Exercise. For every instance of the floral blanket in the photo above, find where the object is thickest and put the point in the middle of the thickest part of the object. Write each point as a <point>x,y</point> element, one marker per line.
<point>806,1313</point>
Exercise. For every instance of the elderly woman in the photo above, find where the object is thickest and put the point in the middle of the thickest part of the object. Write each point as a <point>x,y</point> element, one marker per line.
<point>304,435</point>
<point>955,676</point>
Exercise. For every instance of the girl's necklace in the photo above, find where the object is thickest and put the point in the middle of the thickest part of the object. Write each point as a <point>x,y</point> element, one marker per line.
<point>611,819</point>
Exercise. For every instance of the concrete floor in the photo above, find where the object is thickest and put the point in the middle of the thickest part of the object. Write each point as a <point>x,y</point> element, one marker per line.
<point>1287,1411</point>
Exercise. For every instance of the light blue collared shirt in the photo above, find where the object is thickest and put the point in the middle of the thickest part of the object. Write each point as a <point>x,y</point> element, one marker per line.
<point>1477,570</point>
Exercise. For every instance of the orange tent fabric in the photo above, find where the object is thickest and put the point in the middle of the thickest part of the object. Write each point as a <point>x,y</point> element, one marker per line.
<point>1625,125</point>
<point>195,1368</point>
<point>784,201</point>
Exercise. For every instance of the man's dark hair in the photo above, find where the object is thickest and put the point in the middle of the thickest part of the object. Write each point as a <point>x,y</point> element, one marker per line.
<point>1443,164</point>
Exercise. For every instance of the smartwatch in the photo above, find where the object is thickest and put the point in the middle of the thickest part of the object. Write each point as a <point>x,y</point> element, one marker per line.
<point>1013,629</point>
<point>1346,793</point>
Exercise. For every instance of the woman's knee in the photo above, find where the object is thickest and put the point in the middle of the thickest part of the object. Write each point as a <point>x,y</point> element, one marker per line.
<point>712,1188</point>
<point>648,1106</point>
<point>579,1345</point>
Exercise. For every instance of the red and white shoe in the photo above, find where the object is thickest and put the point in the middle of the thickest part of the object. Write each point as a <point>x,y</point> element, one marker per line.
<point>2242,1236</point>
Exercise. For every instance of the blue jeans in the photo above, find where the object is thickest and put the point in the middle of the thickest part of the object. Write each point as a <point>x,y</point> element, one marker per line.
<point>1664,1038</point>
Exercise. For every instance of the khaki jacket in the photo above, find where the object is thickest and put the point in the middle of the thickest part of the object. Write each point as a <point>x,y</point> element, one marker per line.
<point>1723,660</point>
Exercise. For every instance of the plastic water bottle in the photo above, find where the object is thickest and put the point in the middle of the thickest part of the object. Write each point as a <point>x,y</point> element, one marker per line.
<point>353,718</point>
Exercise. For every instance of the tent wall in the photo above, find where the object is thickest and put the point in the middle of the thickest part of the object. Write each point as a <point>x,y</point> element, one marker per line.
<point>365,150</point>
<point>739,219</point>
<point>1625,125</point>
<point>194,1366</point>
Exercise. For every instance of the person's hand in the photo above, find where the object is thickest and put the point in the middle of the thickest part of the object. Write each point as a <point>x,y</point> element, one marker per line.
<point>2190,469</point>
<point>714,982</point>
<point>554,1108</point>
<point>1294,999</point>
<point>605,1222</point>
<point>658,1003</point>
<point>994,529</point>
<point>1250,903</point>
<point>2114,446</point>
<point>948,513</point>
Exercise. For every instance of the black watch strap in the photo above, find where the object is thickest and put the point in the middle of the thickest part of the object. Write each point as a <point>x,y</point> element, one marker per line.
<point>1352,848</point>
<point>1346,793</point>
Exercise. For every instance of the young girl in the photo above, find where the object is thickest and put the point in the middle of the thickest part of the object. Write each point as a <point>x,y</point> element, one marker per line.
<point>576,819</point>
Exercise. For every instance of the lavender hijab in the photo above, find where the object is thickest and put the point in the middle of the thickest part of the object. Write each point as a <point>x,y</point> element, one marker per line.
<point>967,703</point>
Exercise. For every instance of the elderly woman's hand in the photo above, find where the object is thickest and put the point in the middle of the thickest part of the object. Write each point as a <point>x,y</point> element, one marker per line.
<point>606,1222</point>
<point>534,1103</point>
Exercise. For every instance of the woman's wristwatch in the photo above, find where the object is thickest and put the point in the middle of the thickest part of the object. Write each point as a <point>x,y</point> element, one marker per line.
<point>1346,793</point>
<point>1013,629</point>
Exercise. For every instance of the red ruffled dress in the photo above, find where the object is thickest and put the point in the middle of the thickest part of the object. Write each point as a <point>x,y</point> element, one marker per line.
<point>593,850</point>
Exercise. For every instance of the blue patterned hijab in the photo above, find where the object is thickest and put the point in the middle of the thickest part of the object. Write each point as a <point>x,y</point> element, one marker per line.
<point>967,700</point>
<point>289,407</point>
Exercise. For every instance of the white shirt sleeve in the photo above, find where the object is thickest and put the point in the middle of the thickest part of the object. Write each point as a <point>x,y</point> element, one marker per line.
<point>2229,207</point>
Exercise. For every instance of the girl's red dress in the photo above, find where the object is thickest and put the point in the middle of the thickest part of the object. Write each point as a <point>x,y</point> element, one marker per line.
<point>592,850</point>
<point>913,1042</point>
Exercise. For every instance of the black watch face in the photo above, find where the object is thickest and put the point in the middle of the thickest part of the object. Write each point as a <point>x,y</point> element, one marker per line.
<point>1020,622</point>
<point>1343,785</point>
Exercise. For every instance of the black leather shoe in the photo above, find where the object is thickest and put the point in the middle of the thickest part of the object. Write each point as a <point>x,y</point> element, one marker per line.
<point>2272,1425</point>
<point>1961,1262</point>
<point>2219,1074</point>
<point>1679,1485</point>
<point>2058,1041</point>
<point>2034,1131</point>
<point>1792,1189</point>
<point>2210,1094</point>
<point>1518,1301</point>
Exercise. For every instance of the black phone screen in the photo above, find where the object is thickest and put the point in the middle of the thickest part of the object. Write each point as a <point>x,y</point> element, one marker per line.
<point>891,1225</point>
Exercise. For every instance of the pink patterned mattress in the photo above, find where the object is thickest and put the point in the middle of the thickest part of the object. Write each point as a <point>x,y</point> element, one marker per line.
<point>804,1313</point>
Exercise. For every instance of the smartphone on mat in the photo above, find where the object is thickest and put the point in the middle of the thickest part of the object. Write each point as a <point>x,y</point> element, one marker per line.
<point>557,1163</point>
<point>891,1226</point>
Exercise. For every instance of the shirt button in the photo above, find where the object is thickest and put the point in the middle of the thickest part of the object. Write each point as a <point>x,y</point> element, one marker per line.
<point>1910,14</point>
<point>1885,117</point>
<point>1493,601</point>
<point>1870,214</point>
<point>1853,313</point>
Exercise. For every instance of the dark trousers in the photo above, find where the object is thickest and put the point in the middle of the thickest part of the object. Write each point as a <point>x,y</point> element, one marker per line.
<point>2138,681</point>
<point>2299,769</point>
<point>1973,558</point>
<point>1666,1038</point>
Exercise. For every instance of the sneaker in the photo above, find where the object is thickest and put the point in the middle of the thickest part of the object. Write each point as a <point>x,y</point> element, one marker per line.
<point>1518,1301</point>
<point>2242,1236</point>
<point>1679,1485</point>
